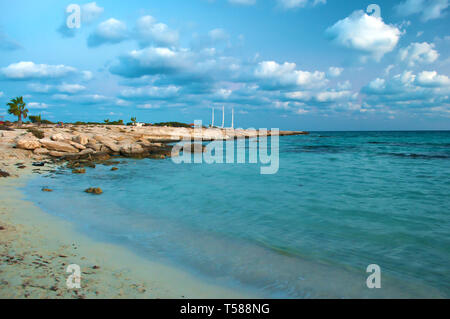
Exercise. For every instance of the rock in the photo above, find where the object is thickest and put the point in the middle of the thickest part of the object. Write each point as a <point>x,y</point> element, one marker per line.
<point>94,190</point>
<point>95,146</point>
<point>28,143</point>
<point>21,166</point>
<point>77,145</point>
<point>47,190</point>
<point>41,151</point>
<point>58,146</point>
<point>79,171</point>
<point>57,154</point>
<point>131,149</point>
<point>194,148</point>
<point>81,139</point>
<point>4,174</point>
<point>114,169</point>
<point>58,137</point>
<point>110,143</point>
<point>38,164</point>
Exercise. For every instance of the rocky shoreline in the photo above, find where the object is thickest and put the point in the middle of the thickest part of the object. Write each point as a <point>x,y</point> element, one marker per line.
<point>84,145</point>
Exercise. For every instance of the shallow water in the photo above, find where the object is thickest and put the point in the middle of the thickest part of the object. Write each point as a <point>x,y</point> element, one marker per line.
<point>339,202</point>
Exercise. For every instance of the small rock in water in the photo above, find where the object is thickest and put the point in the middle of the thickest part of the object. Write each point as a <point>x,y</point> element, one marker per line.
<point>47,190</point>
<point>4,174</point>
<point>38,164</point>
<point>94,190</point>
<point>96,267</point>
<point>114,169</point>
<point>2,228</point>
<point>79,171</point>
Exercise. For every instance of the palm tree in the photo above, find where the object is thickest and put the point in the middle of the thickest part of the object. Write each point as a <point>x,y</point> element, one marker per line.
<point>133,119</point>
<point>17,108</point>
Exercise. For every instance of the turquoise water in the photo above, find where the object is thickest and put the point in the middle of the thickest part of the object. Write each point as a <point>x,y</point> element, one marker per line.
<point>339,202</point>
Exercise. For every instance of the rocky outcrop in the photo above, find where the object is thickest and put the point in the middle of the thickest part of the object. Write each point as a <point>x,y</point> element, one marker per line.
<point>108,142</point>
<point>77,145</point>
<point>41,151</point>
<point>131,149</point>
<point>58,146</point>
<point>28,143</point>
<point>80,139</point>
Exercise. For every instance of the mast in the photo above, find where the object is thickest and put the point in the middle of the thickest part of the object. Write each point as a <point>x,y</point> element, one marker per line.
<point>232,118</point>
<point>223,116</point>
<point>212,122</point>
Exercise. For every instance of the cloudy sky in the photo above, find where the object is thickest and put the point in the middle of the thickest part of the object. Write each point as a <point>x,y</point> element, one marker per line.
<point>292,64</point>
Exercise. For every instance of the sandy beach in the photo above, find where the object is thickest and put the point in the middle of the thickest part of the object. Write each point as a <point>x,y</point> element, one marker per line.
<point>36,248</point>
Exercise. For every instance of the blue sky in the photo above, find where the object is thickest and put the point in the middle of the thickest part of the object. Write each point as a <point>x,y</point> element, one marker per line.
<point>291,64</point>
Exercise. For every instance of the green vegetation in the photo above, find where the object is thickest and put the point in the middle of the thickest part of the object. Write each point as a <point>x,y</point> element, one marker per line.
<point>172,124</point>
<point>36,132</point>
<point>35,119</point>
<point>18,108</point>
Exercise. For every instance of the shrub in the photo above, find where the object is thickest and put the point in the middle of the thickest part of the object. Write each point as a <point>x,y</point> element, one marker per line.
<point>36,132</point>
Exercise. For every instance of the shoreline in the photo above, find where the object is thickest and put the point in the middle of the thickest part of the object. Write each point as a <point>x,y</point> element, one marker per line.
<point>36,248</point>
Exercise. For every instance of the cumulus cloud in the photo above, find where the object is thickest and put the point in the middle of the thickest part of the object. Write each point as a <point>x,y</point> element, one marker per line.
<point>110,31</point>
<point>37,105</point>
<point>424,91</point>
<point>26,70</point>
<point>62,88</point>
<point>365,33</point>
<point>151,61</point>
<point>90,12</point>
<point>150,92</point>
<point>428,9</point>
<point>432,79</point>
<point>286,75</point>
<point>418,53</point>
<point>149,31</point>
<point>334,72</point>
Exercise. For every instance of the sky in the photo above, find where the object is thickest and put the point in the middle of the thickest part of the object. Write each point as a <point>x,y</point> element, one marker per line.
<point>313,65</point>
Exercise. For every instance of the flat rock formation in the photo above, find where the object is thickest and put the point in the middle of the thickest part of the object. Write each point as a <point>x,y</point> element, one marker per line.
<point>99,142</point>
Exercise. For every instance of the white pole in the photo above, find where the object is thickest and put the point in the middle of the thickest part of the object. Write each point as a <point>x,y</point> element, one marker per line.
<point>212,124</point>
<point>223,116</point>
<point>232,118</point>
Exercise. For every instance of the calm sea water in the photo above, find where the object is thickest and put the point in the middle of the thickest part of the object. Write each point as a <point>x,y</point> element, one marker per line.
<point>339,202</point>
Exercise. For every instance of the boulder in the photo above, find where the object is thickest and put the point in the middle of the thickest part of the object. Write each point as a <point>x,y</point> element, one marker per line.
<point>79,171</point>
<point>80,139</point>
<point>77,145</point>
<point>41,151</point>
<point>4,174</point>
<point>28,143</point>
<point>110,143</point>
<point>94,190</point>
<point>58,146</point>
<point>95,146</point>
<point>56,154</point>
<point>131,149</point>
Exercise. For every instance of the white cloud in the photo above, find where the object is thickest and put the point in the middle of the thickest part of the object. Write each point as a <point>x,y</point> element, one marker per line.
<point>365,33</point>
<point>218,35</point>
<point>286,75</point>
<point>418,53</point>
<point>150,31</point>
<point>243,2</point>
<point>432,79</point>
<point>90,12</point>
<point>109,31</point>
<point>37,105</point>
<point>29,70</point>
<point>150,92</point>
<point>62,88</point>
<point>428,9</point>
<point>334,71</point>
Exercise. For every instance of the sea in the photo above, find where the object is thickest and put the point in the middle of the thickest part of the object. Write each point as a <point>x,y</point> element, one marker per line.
<point>340,203</point>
